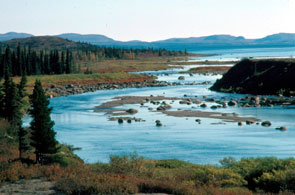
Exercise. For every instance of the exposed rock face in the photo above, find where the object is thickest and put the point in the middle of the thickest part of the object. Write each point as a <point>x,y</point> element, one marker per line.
<point>264,77</point>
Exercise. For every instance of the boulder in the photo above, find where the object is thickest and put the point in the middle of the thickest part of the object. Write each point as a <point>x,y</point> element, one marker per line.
<point>198,121</point>
<point>120,121</point>
<point>132,111</point>
<point>213,107</point>
<point>266,123</point>
<point>181,78</point>
<point>158,123</point>
<point>232,103</point>
<point>203,105</point>
<point>282,128</point>
<point>248,122</point>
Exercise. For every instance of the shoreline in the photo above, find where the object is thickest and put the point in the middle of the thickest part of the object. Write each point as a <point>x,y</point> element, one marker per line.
<point>66,90</point>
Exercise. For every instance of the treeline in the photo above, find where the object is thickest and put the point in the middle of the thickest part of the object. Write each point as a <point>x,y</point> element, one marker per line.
<point>96,52</point>
<point>25,61</point>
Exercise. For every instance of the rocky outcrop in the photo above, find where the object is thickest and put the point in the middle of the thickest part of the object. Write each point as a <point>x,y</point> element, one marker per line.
<point>259,77</point>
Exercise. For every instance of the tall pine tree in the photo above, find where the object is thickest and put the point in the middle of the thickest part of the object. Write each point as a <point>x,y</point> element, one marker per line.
<point>11,103</point>
<point>43,135</point>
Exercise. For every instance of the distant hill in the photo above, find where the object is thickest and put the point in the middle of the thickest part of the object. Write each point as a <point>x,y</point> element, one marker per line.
<point>13,35</point>
<point>89,38</point>
<point>43,42</point>
<point>261,77</point>
<point>191,43</point>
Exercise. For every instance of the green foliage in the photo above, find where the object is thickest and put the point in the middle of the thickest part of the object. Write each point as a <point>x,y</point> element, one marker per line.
<point>129,164</point>
<point>268,174</point>
<point>43,135</point>
<point>11,103</point>
<point>171,163</point>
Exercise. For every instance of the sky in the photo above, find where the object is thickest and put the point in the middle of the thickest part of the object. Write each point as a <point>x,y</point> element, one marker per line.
<point>148,20</point>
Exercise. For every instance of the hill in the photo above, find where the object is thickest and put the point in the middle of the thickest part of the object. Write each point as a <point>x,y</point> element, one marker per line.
<point>280,39</point>
<point>42,42</point>
<point>89,38</point>
<point>191,43</point>
<point>259,77</point>
<point>13,35</point>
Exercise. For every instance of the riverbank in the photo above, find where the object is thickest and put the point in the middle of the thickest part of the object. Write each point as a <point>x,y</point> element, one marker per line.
<point>55,91</point>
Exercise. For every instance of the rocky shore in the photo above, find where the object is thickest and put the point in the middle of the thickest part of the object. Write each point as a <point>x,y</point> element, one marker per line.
<point>55,91</point>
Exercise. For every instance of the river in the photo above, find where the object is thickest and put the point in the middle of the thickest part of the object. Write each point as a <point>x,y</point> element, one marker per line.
<point>179,137</point>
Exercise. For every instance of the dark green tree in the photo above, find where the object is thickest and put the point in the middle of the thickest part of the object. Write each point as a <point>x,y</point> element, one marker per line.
<point>21,86</point>
<point>1,101</point>
<point>43,135</point>
<point>22,142</point>
<point>11,103</point>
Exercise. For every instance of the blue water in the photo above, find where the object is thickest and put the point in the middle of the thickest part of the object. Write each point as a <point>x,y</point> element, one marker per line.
<point>236,54</point>
<point>179,137</point>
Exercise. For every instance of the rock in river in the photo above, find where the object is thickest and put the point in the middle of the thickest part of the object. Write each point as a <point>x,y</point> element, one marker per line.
<point>181,78</point>
<point>266,123</point>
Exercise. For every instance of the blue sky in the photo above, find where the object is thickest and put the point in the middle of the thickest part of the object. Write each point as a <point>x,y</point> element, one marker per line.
<point>148,20</point>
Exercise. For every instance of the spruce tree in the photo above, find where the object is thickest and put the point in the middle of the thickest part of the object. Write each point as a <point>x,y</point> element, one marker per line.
<point>22,142</point>
<point>11,103</point>
<point>21,86</point>
<point>1,101</point>
<point>43,135</point>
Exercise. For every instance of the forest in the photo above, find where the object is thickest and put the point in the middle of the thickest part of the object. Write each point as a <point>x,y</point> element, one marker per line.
<point>24,60</point>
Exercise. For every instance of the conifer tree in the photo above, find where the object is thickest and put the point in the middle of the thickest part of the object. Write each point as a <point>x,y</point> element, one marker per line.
<point>21,86</point>
<point>11,102</point>
<point>43,135</point>
<point>1,101</point>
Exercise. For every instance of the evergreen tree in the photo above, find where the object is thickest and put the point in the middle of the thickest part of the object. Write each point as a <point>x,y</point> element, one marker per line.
<point>1,101</point>
<point>68,62</point>
<point>43,135</point>
<point>11,102</point>
<point>21,86</point>
<point>22,143</point>
<point>12,105</point>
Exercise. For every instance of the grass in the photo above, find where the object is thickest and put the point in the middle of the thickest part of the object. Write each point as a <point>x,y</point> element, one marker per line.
<point>208,69</point>
<point>142,64</point>
<point>85,79</point>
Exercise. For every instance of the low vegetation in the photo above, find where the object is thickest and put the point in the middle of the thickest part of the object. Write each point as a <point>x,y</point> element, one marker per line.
<point>209,69</point>
<point>85,79</point>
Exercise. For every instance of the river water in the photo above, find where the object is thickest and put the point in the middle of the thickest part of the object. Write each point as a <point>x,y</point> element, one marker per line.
<point>179,137</point>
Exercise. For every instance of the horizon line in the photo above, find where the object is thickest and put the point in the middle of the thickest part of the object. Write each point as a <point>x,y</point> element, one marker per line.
<point>146,41</point>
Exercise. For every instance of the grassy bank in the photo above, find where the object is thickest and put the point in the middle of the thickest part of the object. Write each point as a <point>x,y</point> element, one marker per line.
<point>208,69</point>
<point>85,79</point>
